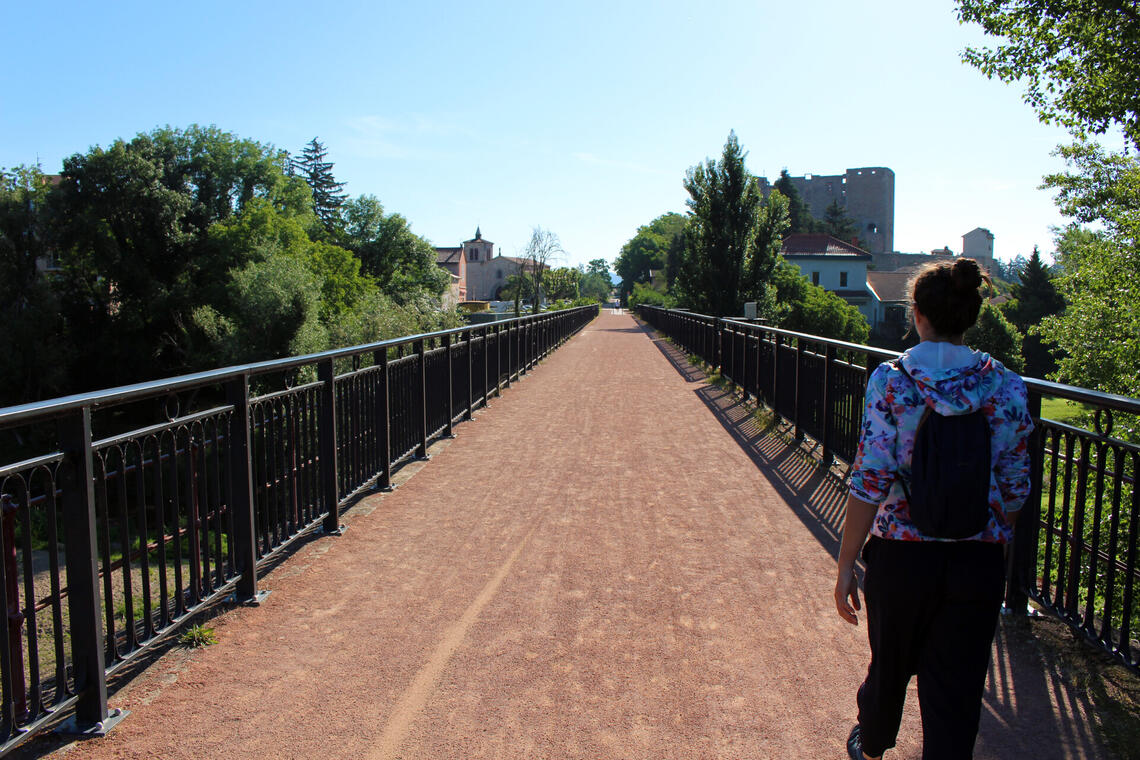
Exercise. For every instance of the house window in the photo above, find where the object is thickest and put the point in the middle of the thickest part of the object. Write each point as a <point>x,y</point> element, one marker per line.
<point>815,278</point>
<point>842,279</point>
<point>499,274</point>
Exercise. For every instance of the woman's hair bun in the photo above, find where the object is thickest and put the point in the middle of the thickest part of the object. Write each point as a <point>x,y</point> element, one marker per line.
<point>966,275</point>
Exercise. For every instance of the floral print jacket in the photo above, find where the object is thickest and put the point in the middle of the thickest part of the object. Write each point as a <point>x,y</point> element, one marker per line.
<point>952,380</point>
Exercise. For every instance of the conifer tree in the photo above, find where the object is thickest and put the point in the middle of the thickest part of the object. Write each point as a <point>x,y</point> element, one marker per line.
<point>838,224</point>
<point>328,195</point>
<point>1037,298</point>
<point>799,215</point>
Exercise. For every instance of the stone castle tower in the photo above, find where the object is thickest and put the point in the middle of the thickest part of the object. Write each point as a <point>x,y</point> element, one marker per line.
<point>867,194</point>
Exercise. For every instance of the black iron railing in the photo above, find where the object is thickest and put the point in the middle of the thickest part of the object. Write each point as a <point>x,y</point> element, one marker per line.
<point>1075,551</point>
<point>147,502</point>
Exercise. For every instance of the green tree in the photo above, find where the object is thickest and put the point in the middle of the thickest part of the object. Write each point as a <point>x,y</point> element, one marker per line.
<point>646,251</point>
<point>674,258</point>
<point>644,293</point>
<point>1080,60</point>
<point>601,268</point>
<point>799,215</point>
<point>328,194</point>
<point>595,286</point>
<point>723,203</point>
<point>801,306</point>
<point>132,228</point>
<point>561,284</point>
<point>402,262</point>
<point>997,336</point>
<point>33,336</point>
<point>763,254</point>
<point>839,225</point>
<point>1035,297</point>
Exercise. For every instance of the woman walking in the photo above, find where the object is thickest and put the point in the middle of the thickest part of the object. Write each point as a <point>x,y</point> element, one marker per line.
<point>933,593</point>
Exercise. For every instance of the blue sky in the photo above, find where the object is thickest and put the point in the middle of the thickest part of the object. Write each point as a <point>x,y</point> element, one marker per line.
<point>581,118</point>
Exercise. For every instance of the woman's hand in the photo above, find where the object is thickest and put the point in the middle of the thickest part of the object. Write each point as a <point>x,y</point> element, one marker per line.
<point>856,526</point>
<point>847,596</point>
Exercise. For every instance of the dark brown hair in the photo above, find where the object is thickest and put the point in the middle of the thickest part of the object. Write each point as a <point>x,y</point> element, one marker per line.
<point>949,295</point>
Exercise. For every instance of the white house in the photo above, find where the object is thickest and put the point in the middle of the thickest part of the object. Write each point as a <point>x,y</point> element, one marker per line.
<point>833,265</point>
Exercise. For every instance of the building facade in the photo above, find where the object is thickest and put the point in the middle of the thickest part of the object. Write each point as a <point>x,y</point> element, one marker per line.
<point>833,265</point>
<point>477,273</point>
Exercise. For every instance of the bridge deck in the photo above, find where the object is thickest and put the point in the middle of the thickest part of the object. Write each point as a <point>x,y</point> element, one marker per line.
<point>612,561</point>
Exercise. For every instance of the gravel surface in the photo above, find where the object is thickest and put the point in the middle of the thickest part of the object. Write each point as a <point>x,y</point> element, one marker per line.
<point>612,561</point>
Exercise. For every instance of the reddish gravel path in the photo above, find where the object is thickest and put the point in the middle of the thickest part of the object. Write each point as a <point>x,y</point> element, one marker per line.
<point>612,561</point>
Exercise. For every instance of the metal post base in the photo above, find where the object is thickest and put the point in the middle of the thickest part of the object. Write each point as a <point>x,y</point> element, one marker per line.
<point>340,529</point>
<point>253,601</point>
<point>72,726</point>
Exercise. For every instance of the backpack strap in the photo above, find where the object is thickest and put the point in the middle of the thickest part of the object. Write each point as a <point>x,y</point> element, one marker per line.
<point>897,364</point>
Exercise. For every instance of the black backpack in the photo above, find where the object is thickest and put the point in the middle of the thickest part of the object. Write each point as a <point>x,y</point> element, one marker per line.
<point>949,489</point>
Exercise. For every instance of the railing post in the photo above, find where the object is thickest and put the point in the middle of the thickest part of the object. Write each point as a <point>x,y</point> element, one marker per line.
<point>829,357</point>
<point>717,346</point>
<point>450,385</point>
<point>1023,554</point>
<point>510,352</point>
<point>241,482</point>
<point>498,360</point>
<point>421,362</point>
<point>486,366</point>
<point>799,433</point>
<point>384,423</point>
<point>776,373</point>
<point>326,373</point>
<point>12,653</point>
<point>83,600</point>
<point>470,374</point>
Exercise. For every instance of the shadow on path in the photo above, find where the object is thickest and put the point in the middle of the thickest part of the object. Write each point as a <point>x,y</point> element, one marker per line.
<point>1038,702</point>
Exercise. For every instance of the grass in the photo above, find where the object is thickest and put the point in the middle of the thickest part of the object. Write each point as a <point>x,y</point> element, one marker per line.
<point>1111,688</point>
<point>1063,410</point>
<point>197,636</point>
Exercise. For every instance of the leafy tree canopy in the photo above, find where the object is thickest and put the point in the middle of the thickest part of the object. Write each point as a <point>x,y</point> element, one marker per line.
<point>647,250</point>
<point>732,240</point>
<point>724,199</point>
<point>997,336</point>
<point>402,262</point>
<point>1080,61</point>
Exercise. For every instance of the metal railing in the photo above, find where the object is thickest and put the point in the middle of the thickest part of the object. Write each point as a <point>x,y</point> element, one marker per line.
<point>144,503</point>
<point>1075,547</point>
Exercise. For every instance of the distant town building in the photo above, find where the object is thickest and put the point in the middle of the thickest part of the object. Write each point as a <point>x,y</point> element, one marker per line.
<point>978,244</point>
<point>867,195</point>
<point>833,265</point>
<point>477,274</point>
<point>890,301</point>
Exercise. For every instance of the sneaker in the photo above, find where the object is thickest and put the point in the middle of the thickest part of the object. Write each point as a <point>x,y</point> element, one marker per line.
<point>855,744</point>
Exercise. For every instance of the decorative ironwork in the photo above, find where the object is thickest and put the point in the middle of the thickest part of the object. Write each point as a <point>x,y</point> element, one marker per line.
<point>152,524</point>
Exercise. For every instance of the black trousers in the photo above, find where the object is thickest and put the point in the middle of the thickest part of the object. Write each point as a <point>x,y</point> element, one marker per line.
<point>932,609</point>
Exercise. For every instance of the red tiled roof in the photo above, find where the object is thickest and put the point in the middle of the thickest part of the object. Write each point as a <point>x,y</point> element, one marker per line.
<point>817,244</point>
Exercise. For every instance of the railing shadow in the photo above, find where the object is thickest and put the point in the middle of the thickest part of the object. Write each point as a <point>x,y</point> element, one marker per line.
<point>678,359</point>
<point>1032,705</point>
